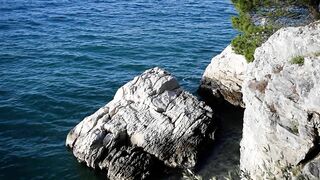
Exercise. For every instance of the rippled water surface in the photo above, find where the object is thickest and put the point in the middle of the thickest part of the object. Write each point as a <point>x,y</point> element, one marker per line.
<point>60,60</point>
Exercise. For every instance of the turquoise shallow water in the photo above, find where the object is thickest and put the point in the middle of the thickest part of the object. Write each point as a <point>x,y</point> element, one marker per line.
<point>61,60</point>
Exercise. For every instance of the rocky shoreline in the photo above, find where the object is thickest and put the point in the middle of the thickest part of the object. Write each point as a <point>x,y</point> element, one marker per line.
<point>281,98</point>
<point>152,122</point>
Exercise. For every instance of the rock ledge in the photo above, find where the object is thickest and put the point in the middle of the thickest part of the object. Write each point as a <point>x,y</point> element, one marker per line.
<point>222,79</point>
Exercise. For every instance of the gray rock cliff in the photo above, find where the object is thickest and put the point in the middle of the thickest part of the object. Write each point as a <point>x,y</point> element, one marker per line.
<point>150,120</point>
<point>281,137</point>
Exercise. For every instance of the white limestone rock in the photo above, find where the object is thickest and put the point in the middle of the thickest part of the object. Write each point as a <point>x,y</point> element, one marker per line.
<point>150,120</point>
<point>223,77</point>
<point>281,122</point>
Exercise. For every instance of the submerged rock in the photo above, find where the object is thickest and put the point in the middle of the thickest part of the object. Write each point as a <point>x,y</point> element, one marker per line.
<point>281,137</point>
<point>150,120</point>
<point>223,77</point>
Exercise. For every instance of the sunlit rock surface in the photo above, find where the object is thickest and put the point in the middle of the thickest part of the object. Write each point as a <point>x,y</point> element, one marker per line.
<point>150,120</point>
<point>281,121</point>
<point>223,77</point>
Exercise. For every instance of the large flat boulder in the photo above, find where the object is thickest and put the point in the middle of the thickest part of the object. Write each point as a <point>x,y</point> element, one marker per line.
<point>223,77</point>
<point>282,117</point>
<point>150,120</point>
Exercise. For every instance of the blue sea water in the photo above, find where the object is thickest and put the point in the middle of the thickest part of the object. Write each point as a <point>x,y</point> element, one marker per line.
<point>60,60</point>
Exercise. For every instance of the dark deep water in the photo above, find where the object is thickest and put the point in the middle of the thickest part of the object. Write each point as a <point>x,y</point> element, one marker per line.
<point>61,60</point>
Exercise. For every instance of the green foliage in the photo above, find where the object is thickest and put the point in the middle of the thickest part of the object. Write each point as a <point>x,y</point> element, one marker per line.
<point>244,5</point>
<point>295,128</point>
<point>297,60</point>
<point>243,23</point>
<point>248,5</point>
<point>252,36</point>
<point>316,54</point>
<point>246,44</point>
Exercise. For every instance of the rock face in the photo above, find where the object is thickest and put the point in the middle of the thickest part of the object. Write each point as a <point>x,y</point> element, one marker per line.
<point>150,120</point>
<point>223,77</point>
<point>282,118</point>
